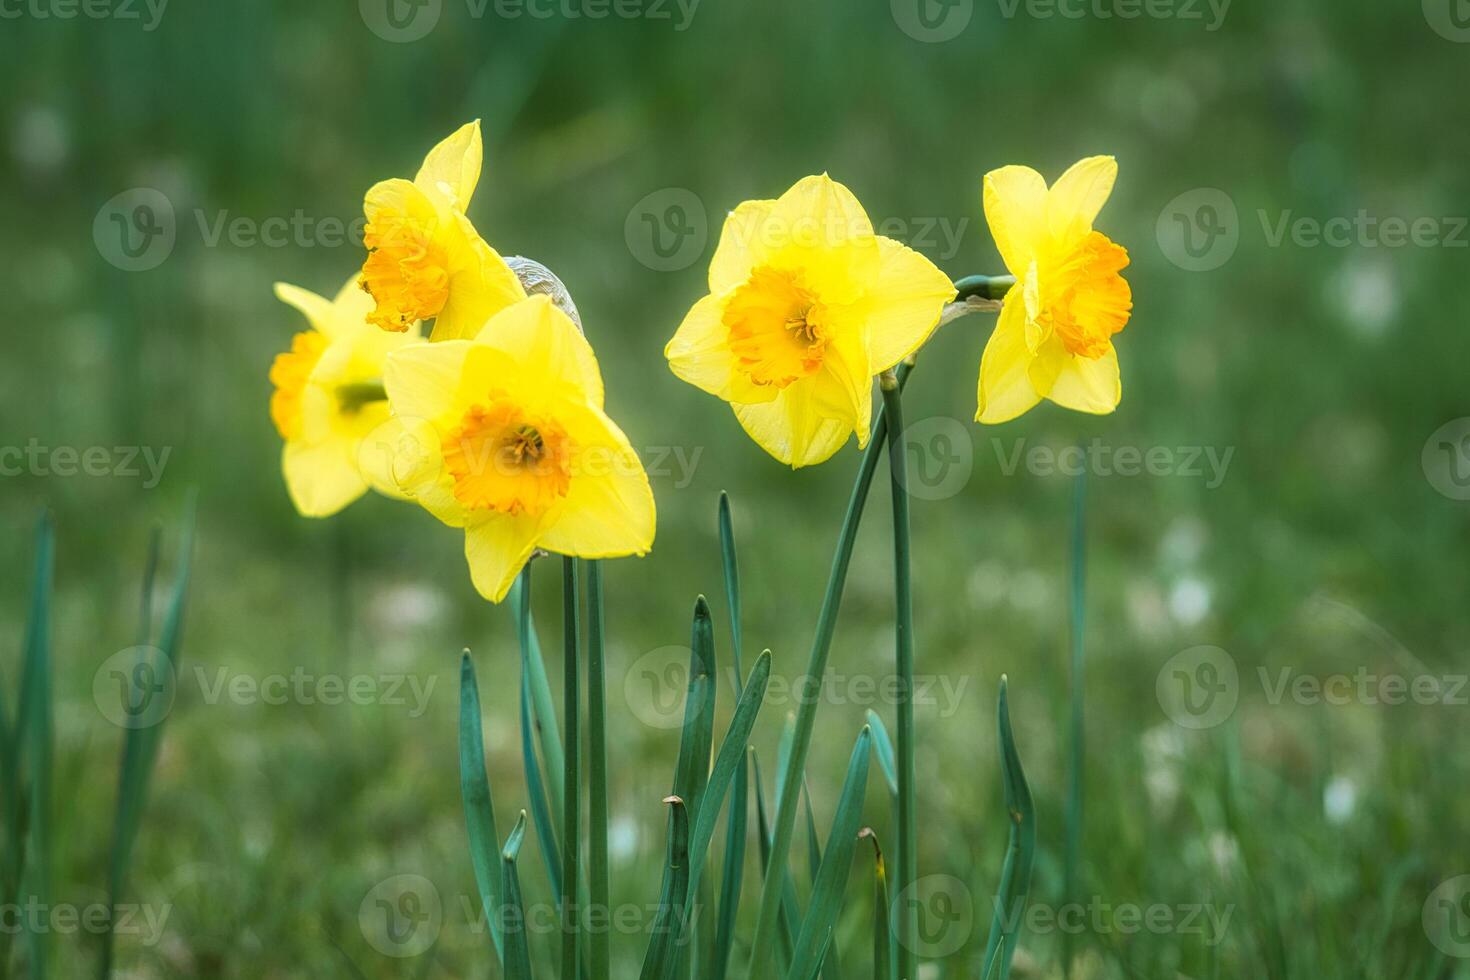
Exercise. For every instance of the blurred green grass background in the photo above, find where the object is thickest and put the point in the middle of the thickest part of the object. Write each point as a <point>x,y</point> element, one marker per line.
<point>1325,370</point>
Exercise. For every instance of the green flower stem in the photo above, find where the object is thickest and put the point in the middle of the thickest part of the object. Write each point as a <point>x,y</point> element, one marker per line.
<point>571,823</point>
<point>598,947</point>
<point>763,944</point>
<point>906,865</point>
<point>983,287</point>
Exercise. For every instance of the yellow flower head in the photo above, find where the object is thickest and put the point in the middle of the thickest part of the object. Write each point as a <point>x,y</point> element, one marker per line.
<point>425,260</point>
<point>806,305</point>
<point>328,397</point>
<point>515,448</point>
<point>1054,336</point>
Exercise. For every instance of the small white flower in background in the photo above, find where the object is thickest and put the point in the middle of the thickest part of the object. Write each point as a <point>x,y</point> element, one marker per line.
<point>1184,542</point>
<point>1163,751</point>
<point>1365,295</point>
<point>409,606</point>
<point>1339,799</point>
<point>1189,600</point>
<point>1224,851</point>
<point>622,839</point>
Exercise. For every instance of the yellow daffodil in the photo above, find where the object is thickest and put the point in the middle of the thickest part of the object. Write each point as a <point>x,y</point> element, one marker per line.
<point>1053,337</point>
<point>515,448</point>
<point>806,305</point>
<point>329,397</point>
<point>425,260</point>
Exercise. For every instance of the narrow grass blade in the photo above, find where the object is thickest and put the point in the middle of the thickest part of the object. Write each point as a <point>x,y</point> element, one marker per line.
<point>734,871</point>
<point>732,580</point>
<point>1073,855</point>
<point>536,792</point>
<point>821,915</point>
<point>885,967</point>
<point>788,922</point>
<point>599,950</point>
<point>883,749</point>
<point>140,745</point>
<point>1015,876</point>
<point>538,727</point>
<point>144,637</point>
<point>479,808</point>
<point>773,886</point>
<point>831,961</point>
<point>517,948</point>
<point>732,752</point>
<point>906,867</point>
<point>783,756</point>
<point>735,827</point>
<point>543,713</point>
<point>15,812</point>
<point>697,733</point>
<point>571,835</point>
<point>658,963</point>
<point>35,747</point>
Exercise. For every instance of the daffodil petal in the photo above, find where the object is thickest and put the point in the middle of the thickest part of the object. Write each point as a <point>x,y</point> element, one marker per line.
<point>1078,195</point>
<point>819,227</point>
<point>452,168</point>
<point>1015,208</point>
<point>906,299</point>
<point>351,307</point>
<point>1005,389</point>
<point>400,456</point>
<point>742,246</point>
<point>1046,363</point>
<point>546,345</point>
<point>423,381</point>
<point>481,285</point>
<point>791,429</point>
<point>497,546</point>
<point>609,509</point>
<point>318,310</point>
<point>843,389</point>
<point>1089,384</point>
<point>322,478</point>
<point>699,353</point>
